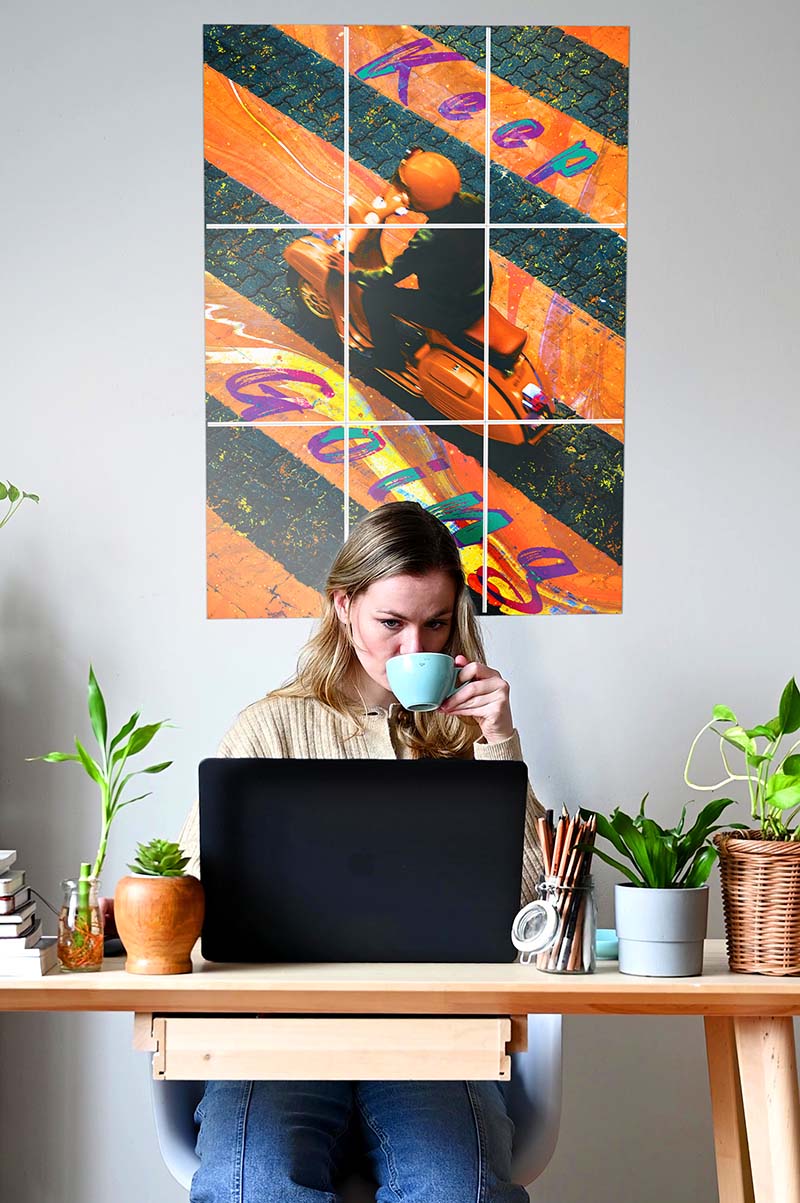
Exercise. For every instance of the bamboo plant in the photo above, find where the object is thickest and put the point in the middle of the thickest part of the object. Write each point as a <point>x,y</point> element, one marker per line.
<point>773,780</point>
<point>108,769</point>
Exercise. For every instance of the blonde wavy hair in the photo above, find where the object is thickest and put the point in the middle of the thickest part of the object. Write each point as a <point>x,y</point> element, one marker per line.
<point>400,537</point>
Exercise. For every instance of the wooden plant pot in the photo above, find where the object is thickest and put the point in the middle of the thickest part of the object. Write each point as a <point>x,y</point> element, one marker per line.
<point>159,920</point>
<point>761,902</point>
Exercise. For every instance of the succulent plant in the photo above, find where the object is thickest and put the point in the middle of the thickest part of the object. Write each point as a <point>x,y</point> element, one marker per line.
<point>159,858</point>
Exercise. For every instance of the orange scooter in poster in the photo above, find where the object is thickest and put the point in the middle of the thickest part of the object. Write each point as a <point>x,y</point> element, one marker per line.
<point>446,372</point>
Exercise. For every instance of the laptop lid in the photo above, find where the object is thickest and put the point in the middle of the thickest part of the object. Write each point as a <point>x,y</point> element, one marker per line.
<point>360,860</point>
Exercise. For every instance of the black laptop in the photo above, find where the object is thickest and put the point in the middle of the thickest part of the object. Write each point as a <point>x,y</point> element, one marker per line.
<point>361,860</point>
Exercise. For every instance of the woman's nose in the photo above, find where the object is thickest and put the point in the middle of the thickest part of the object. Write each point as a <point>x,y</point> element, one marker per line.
<point>412,641</point>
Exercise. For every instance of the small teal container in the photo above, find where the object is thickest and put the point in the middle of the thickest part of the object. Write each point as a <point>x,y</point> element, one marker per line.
<point>606,944</point>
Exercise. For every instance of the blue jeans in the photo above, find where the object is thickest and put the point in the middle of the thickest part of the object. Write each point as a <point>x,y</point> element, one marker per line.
<point>292,1142</point>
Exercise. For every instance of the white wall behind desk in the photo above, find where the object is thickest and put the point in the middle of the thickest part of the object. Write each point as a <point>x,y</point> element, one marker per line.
<point>101,318</point>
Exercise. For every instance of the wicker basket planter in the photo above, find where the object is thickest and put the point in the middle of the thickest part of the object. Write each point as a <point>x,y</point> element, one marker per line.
<point>761,902</point>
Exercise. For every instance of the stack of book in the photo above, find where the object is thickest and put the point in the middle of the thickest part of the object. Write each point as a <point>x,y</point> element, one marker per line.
<point>24,951</point>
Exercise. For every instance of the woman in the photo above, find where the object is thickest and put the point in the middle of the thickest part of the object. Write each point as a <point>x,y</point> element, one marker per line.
<point>396,586</point>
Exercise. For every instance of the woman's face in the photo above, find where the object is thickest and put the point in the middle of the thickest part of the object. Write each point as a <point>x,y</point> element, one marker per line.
<point>398,615</point>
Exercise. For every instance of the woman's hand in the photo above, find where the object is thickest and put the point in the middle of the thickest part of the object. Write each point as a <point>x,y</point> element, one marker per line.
<point>483,695</point>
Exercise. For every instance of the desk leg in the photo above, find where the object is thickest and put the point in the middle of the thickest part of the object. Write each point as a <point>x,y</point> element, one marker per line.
<point>730,1138</point>
<point>768,1075</point>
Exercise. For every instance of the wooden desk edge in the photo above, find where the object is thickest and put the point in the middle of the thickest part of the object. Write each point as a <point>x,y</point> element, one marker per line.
<point>510,989</point>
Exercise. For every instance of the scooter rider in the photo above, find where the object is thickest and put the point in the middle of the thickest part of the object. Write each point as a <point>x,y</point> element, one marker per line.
<point>448,262</point>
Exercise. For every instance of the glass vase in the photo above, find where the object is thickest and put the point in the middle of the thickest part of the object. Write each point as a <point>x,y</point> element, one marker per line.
<point>80,926</point>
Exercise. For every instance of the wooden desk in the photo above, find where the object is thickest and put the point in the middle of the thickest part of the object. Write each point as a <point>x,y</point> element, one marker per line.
<point>748,1027</point>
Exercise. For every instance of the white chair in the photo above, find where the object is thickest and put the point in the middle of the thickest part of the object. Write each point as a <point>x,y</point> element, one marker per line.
<point>533,1096</point>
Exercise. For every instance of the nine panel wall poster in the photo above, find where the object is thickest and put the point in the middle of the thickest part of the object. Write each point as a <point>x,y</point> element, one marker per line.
<point>496,398</point>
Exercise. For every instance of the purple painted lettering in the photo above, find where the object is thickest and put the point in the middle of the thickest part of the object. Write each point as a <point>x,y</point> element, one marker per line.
<point>323,446</point>
<point>516,134</point>
<point>463,106</point>
<point>468,508</point>
<point>567,163</point>
<point>271,400</point>
<point>405,476</point>
<point>403,60</point>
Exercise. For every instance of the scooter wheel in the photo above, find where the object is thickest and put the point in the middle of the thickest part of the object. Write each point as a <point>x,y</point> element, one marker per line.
<point>308,300</point>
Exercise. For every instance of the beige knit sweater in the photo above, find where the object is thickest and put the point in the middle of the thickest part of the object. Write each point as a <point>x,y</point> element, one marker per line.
<point>299,728</point>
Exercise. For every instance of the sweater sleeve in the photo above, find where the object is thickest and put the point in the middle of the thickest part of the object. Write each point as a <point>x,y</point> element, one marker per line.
<point>511,749</point>
<point>255,733</point>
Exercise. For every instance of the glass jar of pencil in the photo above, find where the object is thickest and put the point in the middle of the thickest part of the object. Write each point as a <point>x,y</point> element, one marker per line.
<point>569,928</point>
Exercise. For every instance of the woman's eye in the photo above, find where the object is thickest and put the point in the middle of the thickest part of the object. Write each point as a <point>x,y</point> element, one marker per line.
<point>435,624</point>
<point>391,624</point>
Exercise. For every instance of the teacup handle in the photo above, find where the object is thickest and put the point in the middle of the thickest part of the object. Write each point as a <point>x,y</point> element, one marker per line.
<point>455,684</point>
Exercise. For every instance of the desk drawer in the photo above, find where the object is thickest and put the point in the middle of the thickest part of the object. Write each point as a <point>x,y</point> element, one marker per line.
<point>230,1048</point>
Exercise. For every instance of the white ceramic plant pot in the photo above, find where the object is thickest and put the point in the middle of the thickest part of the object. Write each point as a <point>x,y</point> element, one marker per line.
<point>661,932</point>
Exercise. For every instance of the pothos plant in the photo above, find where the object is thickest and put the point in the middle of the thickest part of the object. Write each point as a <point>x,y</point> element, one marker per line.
<point>773,779</point>
<point>108,768</point>
<point>13,497</point>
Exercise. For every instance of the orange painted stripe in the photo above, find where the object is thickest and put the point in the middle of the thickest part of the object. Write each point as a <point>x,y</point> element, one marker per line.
<point>271,154</point>
<point>245,582</point>
<point>613,40</point>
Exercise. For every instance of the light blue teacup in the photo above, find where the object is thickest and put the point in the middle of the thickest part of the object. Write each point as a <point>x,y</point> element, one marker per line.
<point>422,680</point>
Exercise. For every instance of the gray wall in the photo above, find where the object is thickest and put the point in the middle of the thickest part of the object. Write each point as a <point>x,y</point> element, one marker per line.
<point>102,328</point>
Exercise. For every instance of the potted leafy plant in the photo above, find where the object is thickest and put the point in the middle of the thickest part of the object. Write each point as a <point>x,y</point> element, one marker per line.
<point>662,910</point>
<point>159,910</point>
<point>760,867</point>
<point>80,940</point>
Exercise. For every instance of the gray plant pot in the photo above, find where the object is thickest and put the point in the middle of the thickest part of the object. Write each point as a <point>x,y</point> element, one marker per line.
<point>661,932</point>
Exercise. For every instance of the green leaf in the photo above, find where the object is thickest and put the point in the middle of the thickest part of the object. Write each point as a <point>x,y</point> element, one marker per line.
<point>701,867</point>
<point>703,824</point>
<point>740,739</point>
<point>128,801</point>
<point>774,725</point>
<point>679,828</point>
<point>791,765</point>
<point>641,808</point>
<point>97,711</point>
<point>142,737</point>
<point>615,864</point>
<point>605,830</point>
<point>789,712</point>
<point>636,844</point>
<point>31,496</point>
<point>157,768</point>
<point>765,731</point>
<point>122,734</point>
<point>13,493</point>
<point>55,757</point>
<point>91,767</point>
<point>723,714</point>
<point>783,791</point>
<point>757,759</point>
<point>3,491</point>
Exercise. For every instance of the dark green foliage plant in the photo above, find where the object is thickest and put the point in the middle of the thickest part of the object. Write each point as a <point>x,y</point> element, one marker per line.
<point>661,858</point>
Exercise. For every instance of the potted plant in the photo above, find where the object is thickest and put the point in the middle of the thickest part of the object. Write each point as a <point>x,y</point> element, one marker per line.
<point>760,867</point>
<point>662,910</point>
<point>159,910</point>
<point>80,928</point>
